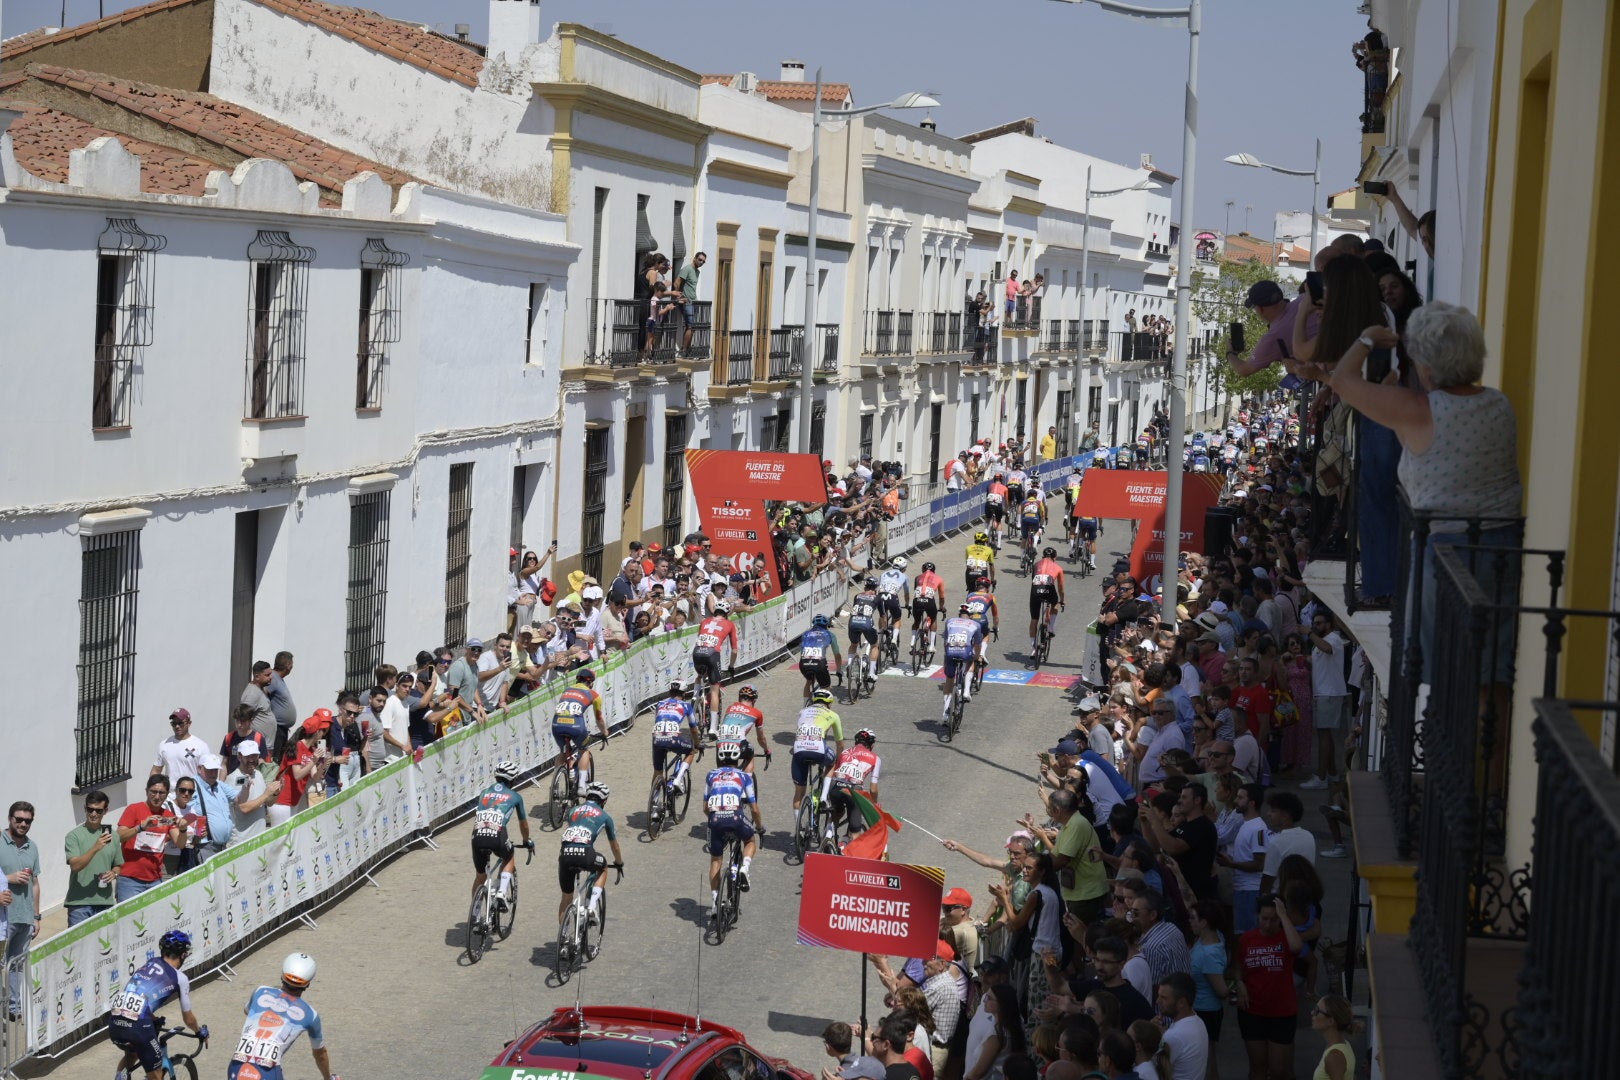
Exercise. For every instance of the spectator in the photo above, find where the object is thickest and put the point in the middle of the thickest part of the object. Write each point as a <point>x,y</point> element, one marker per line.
<point>19,862</point>
<point>180,854</point>
<point>1247,857</point>
<point>1193,842</point>
<point>956,922</point>
<point>1116,1057</point>
<point>253,696</point>
<point>686,285</point>
<point>242,730</point>
<point>348,741</point>
<point>1284,812</point>
<point>1162,945</point>
<point>396,720</point>
<point>1185,1034</point>
<point>494,676</point>
<point>1005,1038</point>
<point>1013,291</point>
<point>304,761</point>
<point>1209,963</point>
<point>1035,925</point>
<point>1419,228</point>
<point>1081,873</point>
<point>462,680</point>
<point>143,830</point>
<point>1266,1001</point>
<point>251,793</point>
<point>615,634</point>
<point>214,799</point>
<point>1335,1021</point>
<point>526,585</point>
<point>1049,445</point>
<point>889,1044</point>
<point>181,753</point>
<point>281,702</point>
<point>93,858</point>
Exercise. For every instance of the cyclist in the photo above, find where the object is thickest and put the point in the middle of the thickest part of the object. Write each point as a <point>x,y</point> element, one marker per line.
<point>927,601</point>
<point>893,589</point>
<point>813,648</point>
<point>981,561</point>
<point>726,791</point>
<point>713,633</point>
<point>571,724</point>
<point>857,769</point>
<point>865,620</point>
<point>130,1023</point>
<point>963,635</point>
<point>675,730</point>
<point>496,805</point>
<point>275,1019</point>
<point>1087,529</point>
<point>1031,520</point>
<point>1015,483</point>
<point>981,605</point>
<point>585,822</point>
<point>819,731</point>
<point>741,719</point>
<point>1045,586</point>
<point>1099,458</point>
<point>995,505</point>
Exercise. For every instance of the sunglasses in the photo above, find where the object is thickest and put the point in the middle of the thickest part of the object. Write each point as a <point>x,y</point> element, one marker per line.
<point>22,820</point>
<point>95,810</point>
<point>178,723</point>
<point>445,661</point>
<point>185,791</point>
<point>352,712</point>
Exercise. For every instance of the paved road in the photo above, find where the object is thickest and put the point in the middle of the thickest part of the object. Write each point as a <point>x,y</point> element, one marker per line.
<point>395,993</point>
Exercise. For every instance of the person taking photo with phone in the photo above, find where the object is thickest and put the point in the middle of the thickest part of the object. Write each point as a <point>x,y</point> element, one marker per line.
<point>93,858</point>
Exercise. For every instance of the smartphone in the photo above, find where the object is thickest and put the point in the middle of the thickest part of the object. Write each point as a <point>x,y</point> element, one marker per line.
<point>107,830</point>
<point>1313,283</point>
<point>1375,187</point>
<point>1236,330</point>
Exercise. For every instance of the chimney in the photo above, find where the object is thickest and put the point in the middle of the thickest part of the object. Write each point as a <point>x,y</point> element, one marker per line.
<point>793,71</point>
<point>514,25</point>
<point>928,123</point>
<point>463,31</point>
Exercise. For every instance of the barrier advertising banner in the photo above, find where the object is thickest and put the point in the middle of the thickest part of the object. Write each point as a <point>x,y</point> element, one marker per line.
<point>1132,494</point>
<point>732,487</point>
<point>870,906</point>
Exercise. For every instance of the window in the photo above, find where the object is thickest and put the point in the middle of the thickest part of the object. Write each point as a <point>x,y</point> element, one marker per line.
<point>645,243</point>
<point>784,429</point>
<point>125,269</point>
<point>522,493</point>
<point>1023,407</point>
<point>534,327</point>
<point>867,421</point>
<point>677,243</point>
<point>767,434</point>
<point>936,414</point>
<point>674,478</point>
<point>973,420</point>
<point>1065,421</point>
<point>109,584</point>
<point>278,285</point>
<point>593,516</point>
<point>379,318</point>
<point>457,553</point>
<point>368,588</point>
<point>598,226</point>
<point>818,427</point>
<point>1094,406</point>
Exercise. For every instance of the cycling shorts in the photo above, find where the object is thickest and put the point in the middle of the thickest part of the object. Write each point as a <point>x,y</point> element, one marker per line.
<point>139,1037</point>
<point>568,735</point>
<point>483,845</point>
<point>858,634</point>
<point>570,863</point>
<point>723,826</point>
<point>245,1070</point>
<point>951,663</point>
<point>842,804</point>
<point>681,749</point>
<point>816,671</point>
<point>805,760</point>
<point>889,604</point>
<point>1015,494</point>
<point>1037,597</point>
<point>995,512</point>
<point>707,663</point>
<point>924,609</point>
<point>1087,528</point>
<point>1028,527</point>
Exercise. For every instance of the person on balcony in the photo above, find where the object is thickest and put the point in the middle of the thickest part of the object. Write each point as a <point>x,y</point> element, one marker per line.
<point>1012,292</point>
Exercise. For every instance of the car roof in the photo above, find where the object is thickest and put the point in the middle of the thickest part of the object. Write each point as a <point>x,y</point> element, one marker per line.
<point>622,1042</point>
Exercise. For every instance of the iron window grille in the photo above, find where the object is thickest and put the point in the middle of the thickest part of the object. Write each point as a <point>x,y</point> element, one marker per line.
<point>458,553</point>
<point>109,586</point>
<point>784,430</point>
<point>593,517</point>
<point>818,428</point>
<point>677,244</point>
<point>380,269</point>
<point>674,478</point>
<point>368,588</point>
<point>125,273</point>
<point>867,426</point>
<point>278,294</point>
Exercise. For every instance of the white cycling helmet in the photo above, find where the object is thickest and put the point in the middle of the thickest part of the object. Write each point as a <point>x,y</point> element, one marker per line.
<point>506,771</point>
<point>722,607</point>
<point>679,686</point>
<point>900,562</point>
<point>298,971</point>
<point>597,792</point>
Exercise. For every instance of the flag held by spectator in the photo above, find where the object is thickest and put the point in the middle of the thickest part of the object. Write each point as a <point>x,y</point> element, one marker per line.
<point>873,842</point>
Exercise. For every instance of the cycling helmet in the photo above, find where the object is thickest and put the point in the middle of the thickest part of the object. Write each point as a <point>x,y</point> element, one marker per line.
<point>175,943</point>
<point>982,582</point>
<point>506,771</point>
<point>962,609</point>
<point>728,753</point>
<point>586,676</point>
<point>866,737</point>
<point>298,971</point>
<point>748,693</point>
<point>722,607</point>
<point>821,696</point>
<point>869,583</point>
<point>1049,553</point>
<point>679,687</point>
<point>899,562</point>
<point>928,568</point>
<point>597,792</point>
<point>981,537</point>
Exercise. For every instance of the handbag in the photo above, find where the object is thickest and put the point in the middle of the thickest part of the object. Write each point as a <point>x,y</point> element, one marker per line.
<point>1284,713</point>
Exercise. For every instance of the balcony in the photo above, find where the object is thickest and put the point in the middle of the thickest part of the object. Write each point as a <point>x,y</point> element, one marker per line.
<point>619,337</point>
<point>825,354</point>
<point>740,358</point>
<point>781,357</point>
<point>888,333</point>
<point>1053,338</point>
<point>945,332</point>
<point>1026,315</point>
<point>1156,250</point>
<point>1140,346</point>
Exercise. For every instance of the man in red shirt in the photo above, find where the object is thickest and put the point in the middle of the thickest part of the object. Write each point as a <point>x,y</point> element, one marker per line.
<point>306,757</point>
<point>1253,701</point>
<point>143,829</point>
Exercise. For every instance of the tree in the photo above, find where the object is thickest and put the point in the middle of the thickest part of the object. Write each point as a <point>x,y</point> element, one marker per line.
<point>1217,297</point>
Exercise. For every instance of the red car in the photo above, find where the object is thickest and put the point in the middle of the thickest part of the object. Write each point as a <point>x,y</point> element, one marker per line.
<point>634,1044</point>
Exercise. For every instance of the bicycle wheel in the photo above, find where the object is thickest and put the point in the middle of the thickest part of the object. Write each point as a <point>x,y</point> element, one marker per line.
<point>916,653</point>
<point>680,800</point>
<point>568,942</point>
<point>591,935</point>
<point>479,933</point>
<point>854,686</point>
<point>557,800</point>
<point>182,1065</point>
<point>804,828</point>
<point>656,815</point>
<point>503,927</point>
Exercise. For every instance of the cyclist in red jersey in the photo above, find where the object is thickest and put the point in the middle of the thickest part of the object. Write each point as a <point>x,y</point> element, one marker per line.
<point>713,634</point>
<point>995,506</point>
<point>742,718</point>
<point>927,601</point>
<point>1045,586</point>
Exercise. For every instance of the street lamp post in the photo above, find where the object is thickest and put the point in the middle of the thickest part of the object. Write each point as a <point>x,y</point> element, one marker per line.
<point>807,381</point>
<point>1315,173</point>
<point>1192,16</point>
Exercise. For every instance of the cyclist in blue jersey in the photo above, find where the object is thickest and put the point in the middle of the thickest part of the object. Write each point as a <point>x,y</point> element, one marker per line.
<point>865,621</point>
<point>491,815</point>
<point>585,823</point>
<point>894,595</point>
<point>675,731</point>
<point>275,1019</point>
<point>727,790</point>
<point>570,722</point>
<point>814,646</point>
<point>963,635</point>
<point>1088,529</point>
<point>981,607</point>
<point>130,1022</point>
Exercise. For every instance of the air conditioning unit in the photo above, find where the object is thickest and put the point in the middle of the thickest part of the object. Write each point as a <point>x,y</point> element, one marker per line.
<point>746,81</point>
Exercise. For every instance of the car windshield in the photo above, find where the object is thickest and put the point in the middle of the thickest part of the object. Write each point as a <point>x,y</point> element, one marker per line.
<point>603,1048</point>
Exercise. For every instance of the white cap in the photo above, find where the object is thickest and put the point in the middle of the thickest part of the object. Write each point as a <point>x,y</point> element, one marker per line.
<point>592,592</point>
<point>212,761</point>
<point>247,746</point>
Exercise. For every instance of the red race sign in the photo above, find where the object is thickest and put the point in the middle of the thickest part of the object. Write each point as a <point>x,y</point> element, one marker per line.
<point>1127,493</point>
<point>731,488</point>
<point>870,906</point>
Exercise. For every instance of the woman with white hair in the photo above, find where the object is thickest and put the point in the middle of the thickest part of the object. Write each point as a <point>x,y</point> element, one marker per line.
<point>1459,441</point>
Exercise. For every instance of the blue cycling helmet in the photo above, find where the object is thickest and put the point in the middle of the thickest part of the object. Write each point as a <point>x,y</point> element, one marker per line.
<point>175,943</point>
<point>820,621</point>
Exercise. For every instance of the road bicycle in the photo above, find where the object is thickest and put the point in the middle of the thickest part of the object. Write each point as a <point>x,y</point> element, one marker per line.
<point>1026,561</point>
<point>921,655</point>
<point>811,815</point>
<point>176,1066</point>
<point>888,648</point>
<point>959,694</point>
<point>565,787</point>
<point>728,901</point>
<point>666,807</point>
<point>702,714</point>
<point>486,919</point>
<point>579,939</point>
<point>1043,634</point>
<point>859,679</point>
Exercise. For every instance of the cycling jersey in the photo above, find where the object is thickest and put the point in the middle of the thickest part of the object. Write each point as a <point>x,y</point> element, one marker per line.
<point>152,984</point>
<point>674,721</point>
<point>962,637</point>
<point>857,767</point>
<point>1017,478</point>
<point>574,708</point>
<point>815,646</point>
<point>726,791</point>
<point>1031,510</point>
<point>818,729</point>
<point>892,582</point>
<point>739,721</point>
<point>979,606</point>
<point>1071,488</point>
<point>494,810</point>
<point>715,631</point>
<point>979,557</point>
<point>585,822</point>
<point>929,586</point>
<point>996,496</point>
<point>863,611</point>
<point>274,1021</point>
<point>1048,575</point>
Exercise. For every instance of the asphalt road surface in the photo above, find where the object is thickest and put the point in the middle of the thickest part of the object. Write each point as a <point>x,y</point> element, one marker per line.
<point>397,998</point>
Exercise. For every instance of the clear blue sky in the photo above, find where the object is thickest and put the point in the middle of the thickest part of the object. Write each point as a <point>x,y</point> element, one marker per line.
<point>1276,74</point>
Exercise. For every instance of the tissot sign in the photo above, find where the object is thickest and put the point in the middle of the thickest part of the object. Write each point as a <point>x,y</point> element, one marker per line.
<point>1128,493</point>
<point>866,905</point>
<point>732,487</point>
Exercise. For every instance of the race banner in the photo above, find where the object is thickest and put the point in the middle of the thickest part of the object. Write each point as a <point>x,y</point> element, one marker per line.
<point>870,906</point>
<point>1131,494</point>
<point>732,487</point>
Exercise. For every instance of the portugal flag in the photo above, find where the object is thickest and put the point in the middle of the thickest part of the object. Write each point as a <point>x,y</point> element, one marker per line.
<point>873,843</point>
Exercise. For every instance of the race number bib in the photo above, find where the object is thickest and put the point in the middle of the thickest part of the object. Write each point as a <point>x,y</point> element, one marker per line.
<point>925,592</point>
<point>995,498</point>
<point>810,736</point>
<point>957,640</point>
<point>571,709</point>
<point>976,563</point>
<point>851,772</point>
<point>258,1051</point>
<point>812,652</point>
<point>727,803</point>
<point>708,641</point>
<point>128,1006</point>
<point>1041,581</point>
<point>731,731</point>
<point>666,729</point>
<point>577,834</point>
<point>489,822</point>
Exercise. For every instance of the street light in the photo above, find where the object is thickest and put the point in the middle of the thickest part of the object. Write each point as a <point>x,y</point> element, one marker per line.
<point>1252,162</point>
<point>807,383</point>
<point>1192,17</point>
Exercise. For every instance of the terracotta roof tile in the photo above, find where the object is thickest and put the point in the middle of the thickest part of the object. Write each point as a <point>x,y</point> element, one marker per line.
<point>776,90</point>
<point>405,41</point>
<point>42,139</point>
<point>236,131</point>
<point>24,42</point>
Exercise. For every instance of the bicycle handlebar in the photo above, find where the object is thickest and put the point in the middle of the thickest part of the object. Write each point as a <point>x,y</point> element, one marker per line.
<point>619,876</point>
<point>529,844</point>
